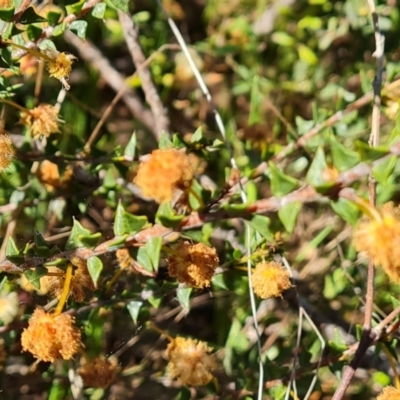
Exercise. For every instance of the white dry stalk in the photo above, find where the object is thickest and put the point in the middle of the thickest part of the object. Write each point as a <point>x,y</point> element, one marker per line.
<point>303,312</point>
<point>243,195</point>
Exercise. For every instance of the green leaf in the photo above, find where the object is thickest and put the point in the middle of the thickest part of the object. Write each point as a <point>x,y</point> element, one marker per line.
<point>343,158</point>
<point>33,276</point>
<point>33,32</point>
<point>29,16</point>
<point>335,284</point>
<point>95,266</point>
<point>81,237</point>
<point>347,210</point>
<point>148,256</point>
<point>218,280</point>
<point>307,55</point>
<point>3,282</point>
<point>183,295</point>
<point>256,114</point>
<point>134,309</point>
<point>126,223</point>
<point>6,58</point>
<point>167,217</point>
<point>198,196</point>
<point>53,18</point>
<point>164,142</point>
<point>79,26</point>
<point>59,29</point>
<point>283,39</point>
<point>383,170</point>
<point>130,149</point>
<point>338,343</point>
<point>122,5</point>
<point>281,183</point>
<point>99,10</point>
<point>314,175</point>
<point>368,153</point>
<point>260,223</point>
<point>184,394</point>
<point>11,248</point>
<point>6,14</point>
<point>288,215</point>
<point>237,339</point>
<point>197,136</point>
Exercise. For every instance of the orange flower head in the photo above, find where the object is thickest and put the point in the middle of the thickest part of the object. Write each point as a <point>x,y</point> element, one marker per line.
<point>190,361</point>
<point>124,258</point>
<point>270,280</point>
<point>162,173</point>
<point>41,120</point>
<point>48,173</point>
<point>59,66</point>
<point>379,238</point>
<point>193,264</point>
<point>7,151</point>
<point>50,338</point>
<point>98,372</point>
<point>389,393</point>
<point>81,279</point>
<point>28,65</point>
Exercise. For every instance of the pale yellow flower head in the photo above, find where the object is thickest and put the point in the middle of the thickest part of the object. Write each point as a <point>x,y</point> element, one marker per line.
<point>41,120</point>
<point>270,280</point>
<point>9,306</point>
<point>60,67</point>
<point>190,361</point>
<point>379,239</point>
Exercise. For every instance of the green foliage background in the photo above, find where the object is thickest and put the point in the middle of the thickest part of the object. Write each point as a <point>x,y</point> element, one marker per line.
<point>273,82</point>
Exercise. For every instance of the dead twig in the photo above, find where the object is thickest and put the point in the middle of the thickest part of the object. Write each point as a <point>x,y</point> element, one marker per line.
<point>92,55</point>
<point>131,34</point>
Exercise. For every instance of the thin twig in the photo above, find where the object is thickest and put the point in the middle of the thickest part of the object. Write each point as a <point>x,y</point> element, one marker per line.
<point>110,107</point>
<point>368,336</point>
<point>92,55</point>
<point>153,99</point>
<point>248,229</point>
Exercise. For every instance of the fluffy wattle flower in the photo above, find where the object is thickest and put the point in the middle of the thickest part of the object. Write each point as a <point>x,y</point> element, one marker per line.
<point>379,239</point>
<point>389,393</point>
<point>49,337</point>
<point>80,280</point>
<point>41,120</point>
<point>59,67</point>
<point>98,372</point>
<point>190,361</point>
<point>270,280</point>
<point>7,151</point>
<point>162,173</point>
<point>193,264</point>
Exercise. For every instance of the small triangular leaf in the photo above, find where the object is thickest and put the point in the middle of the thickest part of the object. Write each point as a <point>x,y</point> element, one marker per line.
<point>95,266</point>
<point>281,183</point>
<point>288,215</point>
<point>183,295</point>
<point>126,223</point>
<point>33,276</point>
<point>343,158</point>
<point>148,256</point>
<point>134,309</point>
<point>315,172</point>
